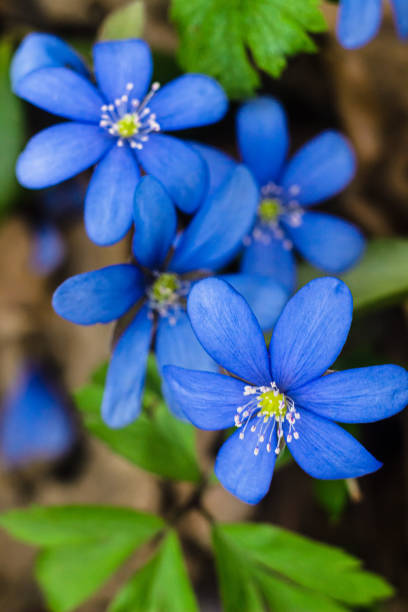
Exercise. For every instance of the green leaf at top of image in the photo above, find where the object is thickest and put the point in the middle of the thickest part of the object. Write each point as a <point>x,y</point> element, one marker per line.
<point>381,277</point>
<point>225,38</point>
<point>156,441</point>
<point>289,572</point>
<point>11,130</point>
<point>124,22</point>
<point>161,585</point>
<point>81,546</point>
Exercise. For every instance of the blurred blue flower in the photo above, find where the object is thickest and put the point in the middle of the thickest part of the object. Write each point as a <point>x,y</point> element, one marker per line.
<point>359,20</point>
<point>287,189</point>
<point>282,396</point>
<point>115,124</point>
<point>35,424</point>
<point>157,284</point>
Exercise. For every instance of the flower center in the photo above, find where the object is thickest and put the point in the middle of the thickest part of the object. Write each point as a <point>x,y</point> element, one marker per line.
<point>269,210</point>
<point>130,119</point>
<point>265,413</point>
<point>165,287</point>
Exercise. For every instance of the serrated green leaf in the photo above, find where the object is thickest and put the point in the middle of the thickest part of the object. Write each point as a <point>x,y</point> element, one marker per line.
<point>221,37</point>
<point>82,546</point>
<point>161,585</point>
<point>11,130</point>
<point>156,441</point>
<point>380,278</point>
<point>124,22</point>
<point>318,568</point>
<point>332,496</point>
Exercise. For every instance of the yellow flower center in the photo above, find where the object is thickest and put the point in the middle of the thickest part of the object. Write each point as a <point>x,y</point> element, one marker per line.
<point>272,404</point>
<point>269,210</point>
<point>128,125</point>
<point>164,287</point>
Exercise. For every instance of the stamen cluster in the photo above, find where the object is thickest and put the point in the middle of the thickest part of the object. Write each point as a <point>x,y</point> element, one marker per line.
<point>167,293</point>
<point>130,119</point>
<point>267,409</point>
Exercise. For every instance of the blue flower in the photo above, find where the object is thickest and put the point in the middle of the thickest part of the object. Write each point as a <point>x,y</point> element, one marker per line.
<point>153,289</point>
<point>282,395</point>
<point>359,20</point>
<point>320,169</point>
<point>35,421</point>
<point>117,124</point>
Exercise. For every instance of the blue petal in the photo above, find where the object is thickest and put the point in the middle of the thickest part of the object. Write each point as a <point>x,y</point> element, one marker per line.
<point>356,396</point>
<point>60,152</point>
<point>264,295</point>
<point>215,234</point>
<point>99,296</point>
<point>189,101</point>
<point>48,249</point>
<point>400,8</point>
<point>320,169</point>
<point>263,137</point>
<point>327,242</point>
<point>310,332</point>
<point>155,223</point>
<point>62,92</point>
<point>271,259</point>
<point>358,22</point>
<point>325,450</point>
<point>228,330</point>
<point>181,169</point>
<point>109,199</point>
<point>241,472</point>
<point>219,164</point>
<point>126,374</point>
<point>43,51</point>
<point>35,424</point>
<point>208,400</point>
<point>176,344</point>
<point>117,63</point>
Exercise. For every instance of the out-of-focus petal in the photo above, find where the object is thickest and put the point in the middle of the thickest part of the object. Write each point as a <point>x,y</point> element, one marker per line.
<point>219,164</point>
<point>126,374</point>
<point>109,199</point>
<point>99,296</point>
<point>263,137</point>
<point>358,22</point>
<point>181,169</point>
<point>215,234</point>
<point>320,169</point>
<point>60,152</point>
<point>120,62</point>
<point>270,259</point>
<point>400,8</point>
<point>62,92</point>
<point>39,50</point>
<point>264,295</point>
<point>327,242</point>
<point>155,223</point>
<point>191,100</point>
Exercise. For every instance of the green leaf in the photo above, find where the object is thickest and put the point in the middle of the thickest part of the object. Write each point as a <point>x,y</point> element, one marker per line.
<point>125,22</point>
<point>82,546</point>
<point>320,577</point>
<point>332,496</point>
<point>380,278</point>
<point>156,441</point>
<point>222,37</point>
<point>11,130</point>
<point>161,585</point>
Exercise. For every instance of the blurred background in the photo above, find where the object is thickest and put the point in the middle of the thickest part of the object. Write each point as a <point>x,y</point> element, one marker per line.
<point>42,357</point>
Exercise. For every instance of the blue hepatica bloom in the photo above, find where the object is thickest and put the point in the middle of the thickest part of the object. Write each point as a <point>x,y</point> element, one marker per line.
<point>287,190</point>
<point>155,287</point>
<point>281,395</point>
<point>359,20</point>
<point>117,123</point>
<point>35,423</point>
